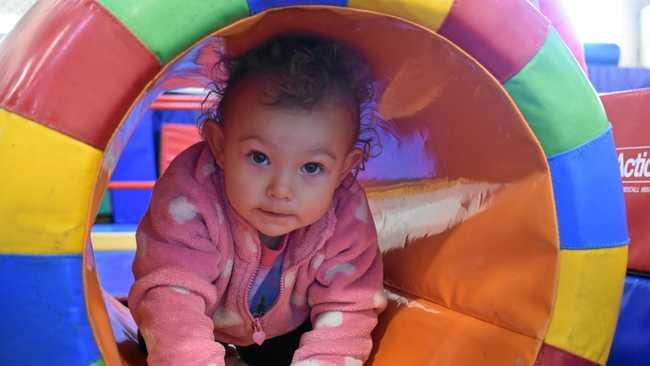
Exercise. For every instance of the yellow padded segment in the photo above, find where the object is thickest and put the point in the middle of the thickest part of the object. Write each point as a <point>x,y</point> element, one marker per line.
<point>46,186</point>
<point>428,13</point>
<point>588,300</point>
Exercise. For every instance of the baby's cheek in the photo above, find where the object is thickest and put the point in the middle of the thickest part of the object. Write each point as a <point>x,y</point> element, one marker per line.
<point>315,206</point>
<point>237,194</point>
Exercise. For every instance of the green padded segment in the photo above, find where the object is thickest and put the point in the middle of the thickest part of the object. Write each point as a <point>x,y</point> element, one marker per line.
<point>105,207</point>
<point>556,98</point>
<point>99,362</point>
<point>169,27</point>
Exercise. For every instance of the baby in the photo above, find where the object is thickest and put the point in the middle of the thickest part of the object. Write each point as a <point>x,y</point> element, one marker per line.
<point>260,236</point>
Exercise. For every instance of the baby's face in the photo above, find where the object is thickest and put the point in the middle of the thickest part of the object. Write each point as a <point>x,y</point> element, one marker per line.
<point>282,164</point>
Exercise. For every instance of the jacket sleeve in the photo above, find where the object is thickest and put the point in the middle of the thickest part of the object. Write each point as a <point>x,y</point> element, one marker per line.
<point>347,294</point>
<point>175,266</point>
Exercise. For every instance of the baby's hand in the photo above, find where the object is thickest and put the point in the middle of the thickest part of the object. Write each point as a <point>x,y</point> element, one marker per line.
<point>234,361</point>
<point>232,358</point>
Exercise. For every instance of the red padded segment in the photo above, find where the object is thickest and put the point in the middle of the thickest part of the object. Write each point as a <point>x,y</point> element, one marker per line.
<point>73,67</point>
<point>503,35</point>
<point>552,356</point>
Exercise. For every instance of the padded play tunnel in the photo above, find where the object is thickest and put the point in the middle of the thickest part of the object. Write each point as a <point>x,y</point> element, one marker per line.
<point>495,149</point>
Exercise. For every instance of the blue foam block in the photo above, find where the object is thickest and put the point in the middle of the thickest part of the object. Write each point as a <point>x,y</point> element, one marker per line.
<point>611,78</point>
<point>631,345</point>
<point>602,53</point>
<point>137,163</point>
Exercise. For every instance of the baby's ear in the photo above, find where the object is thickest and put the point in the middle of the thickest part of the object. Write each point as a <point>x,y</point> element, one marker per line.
<point>213,135</point>
<point>352,160</point>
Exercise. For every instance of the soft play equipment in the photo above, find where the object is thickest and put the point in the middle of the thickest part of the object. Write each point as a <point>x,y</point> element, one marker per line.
<point>605,74</point>
<point>136,163</point>
<point>174,138</point>
<point>608,79</point>
<point>139,160</point>
<point>496,195</point>
<point>608,54</point>
<point>629,113</point>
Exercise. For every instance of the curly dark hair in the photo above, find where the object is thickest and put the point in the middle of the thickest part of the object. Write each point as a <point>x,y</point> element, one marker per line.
<point>302,70</point>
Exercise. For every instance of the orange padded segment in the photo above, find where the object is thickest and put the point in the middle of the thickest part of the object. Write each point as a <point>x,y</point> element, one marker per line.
<point>422,333</point>
<point>498,266</point>
<point>97,315</point>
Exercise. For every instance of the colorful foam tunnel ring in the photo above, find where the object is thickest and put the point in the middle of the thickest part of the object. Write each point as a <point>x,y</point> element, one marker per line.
<point>496,195</point>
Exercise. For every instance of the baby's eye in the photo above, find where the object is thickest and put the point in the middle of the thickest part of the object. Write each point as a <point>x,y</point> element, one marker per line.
<point>258,158</point>
<point>312,168</point>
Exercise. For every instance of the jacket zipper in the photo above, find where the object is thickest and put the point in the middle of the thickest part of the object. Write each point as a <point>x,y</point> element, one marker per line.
<point>258,320</point>
<point>258,332</point>
<point>259,336</point>
<point>277,299</point>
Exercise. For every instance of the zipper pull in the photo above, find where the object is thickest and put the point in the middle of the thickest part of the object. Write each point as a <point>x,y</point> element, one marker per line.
<point>258,336</point>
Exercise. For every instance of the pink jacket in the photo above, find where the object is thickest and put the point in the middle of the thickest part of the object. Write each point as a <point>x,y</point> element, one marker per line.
<point>196,259</point>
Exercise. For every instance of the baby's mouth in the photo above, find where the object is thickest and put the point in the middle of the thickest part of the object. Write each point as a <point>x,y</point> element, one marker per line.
<point>274,214</point>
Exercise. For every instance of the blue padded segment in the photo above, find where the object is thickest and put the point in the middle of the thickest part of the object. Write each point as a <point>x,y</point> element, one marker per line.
<point>257,6</point>
<point>631,345</point>
<point>44,319</point>
<point>589,196</point>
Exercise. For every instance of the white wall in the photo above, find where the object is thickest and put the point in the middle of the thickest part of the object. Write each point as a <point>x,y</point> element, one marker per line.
<point>10,12</point>
<point>610,21</point>
<point>630,36</point>
<point>644,33</point>
<point>634,45</point>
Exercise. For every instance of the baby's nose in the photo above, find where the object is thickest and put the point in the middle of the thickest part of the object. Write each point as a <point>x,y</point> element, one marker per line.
<point>280,188</point>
